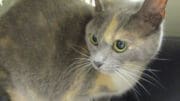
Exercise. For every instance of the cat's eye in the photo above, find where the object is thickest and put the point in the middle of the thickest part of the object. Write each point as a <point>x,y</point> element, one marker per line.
<point>93,39</point>
<point>120,46</point>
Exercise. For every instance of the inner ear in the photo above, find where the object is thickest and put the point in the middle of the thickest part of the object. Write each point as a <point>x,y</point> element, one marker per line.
<point>150,16</point>
<point>153,11</point>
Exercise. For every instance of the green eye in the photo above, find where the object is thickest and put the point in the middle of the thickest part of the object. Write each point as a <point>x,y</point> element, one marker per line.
<point>120,46</point>
<point>93,39</point>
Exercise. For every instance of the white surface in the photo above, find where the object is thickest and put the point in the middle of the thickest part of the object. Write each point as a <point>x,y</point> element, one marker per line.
<point>136,0</point>
<point>1,2</point>
<point>91,2</point>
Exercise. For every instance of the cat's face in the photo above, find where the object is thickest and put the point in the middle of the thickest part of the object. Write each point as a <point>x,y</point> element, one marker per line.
<point>115,43</point>
<point>125,40</point>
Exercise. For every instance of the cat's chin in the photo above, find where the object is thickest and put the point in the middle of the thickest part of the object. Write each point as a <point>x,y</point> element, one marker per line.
<point>106,71</point>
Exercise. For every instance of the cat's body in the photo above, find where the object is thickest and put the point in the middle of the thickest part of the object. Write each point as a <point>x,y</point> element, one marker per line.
<point>36,43</point>
<point>41,39</point>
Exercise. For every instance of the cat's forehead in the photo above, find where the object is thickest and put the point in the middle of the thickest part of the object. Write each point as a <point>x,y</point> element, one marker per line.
<point>106,17</point>
<point>111,27</point>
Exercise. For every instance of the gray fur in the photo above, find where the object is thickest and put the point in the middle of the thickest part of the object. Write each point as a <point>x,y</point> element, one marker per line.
<point>41,35</point>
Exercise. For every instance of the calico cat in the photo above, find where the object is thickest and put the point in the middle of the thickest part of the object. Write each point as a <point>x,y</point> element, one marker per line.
<point>122,43</point>
<point>47,54</point>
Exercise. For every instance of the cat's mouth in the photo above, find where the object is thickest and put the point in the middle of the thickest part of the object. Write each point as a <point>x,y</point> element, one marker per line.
<point>102,68</point>
<point>106,71</point>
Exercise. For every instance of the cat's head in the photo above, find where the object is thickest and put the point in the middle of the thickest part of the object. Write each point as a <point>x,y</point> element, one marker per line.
<point>123,39</point>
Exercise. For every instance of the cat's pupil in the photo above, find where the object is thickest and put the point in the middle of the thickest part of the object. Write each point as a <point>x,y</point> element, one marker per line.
<point>94,38</point>
<point>120,44</point>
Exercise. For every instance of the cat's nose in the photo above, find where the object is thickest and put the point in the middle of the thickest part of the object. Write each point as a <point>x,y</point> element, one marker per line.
<point>98,64</point>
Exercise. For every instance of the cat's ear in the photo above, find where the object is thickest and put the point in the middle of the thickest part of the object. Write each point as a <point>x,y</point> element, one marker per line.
<point>150,15</point>
<point>99,7</point>
<point>153,11</point>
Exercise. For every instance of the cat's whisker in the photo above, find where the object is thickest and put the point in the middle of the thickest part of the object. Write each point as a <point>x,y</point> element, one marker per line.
<point>69,70</point>
<point>137,97</point>
<point>119,73</point>
<point>89,69</point>
<point>122,77</point>
<point>136,91</point>
<point>83,59</point>
<point>81,47</point>
<point>143,66</point>
<point>78,64</point>
<point>80,58</point>
<point>79,69</point>
<point>141,78</point>
<point>154,79</point>
<point>152,70</point>
<point>80,61</point>
<point>148,76</point>
<point>81,53</point>
<point>84,68</point>
<point>147,68</point>
<point>74,64</point>
<point>74,68</point>
<point>134,79</point>
<point>153,74</point>
<point>161,59</point>
<point>145,74</point>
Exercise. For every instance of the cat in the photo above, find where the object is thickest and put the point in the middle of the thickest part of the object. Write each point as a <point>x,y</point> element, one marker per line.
<point>59,50</point>
<point>122,43</point>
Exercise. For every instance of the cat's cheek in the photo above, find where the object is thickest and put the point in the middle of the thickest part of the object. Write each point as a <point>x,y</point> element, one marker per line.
<point>122,84</point>
<point>92,49</point>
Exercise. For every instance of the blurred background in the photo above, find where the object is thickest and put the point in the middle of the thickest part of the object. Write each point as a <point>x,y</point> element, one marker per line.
<point>167,79</point>
<point>172,25</point>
